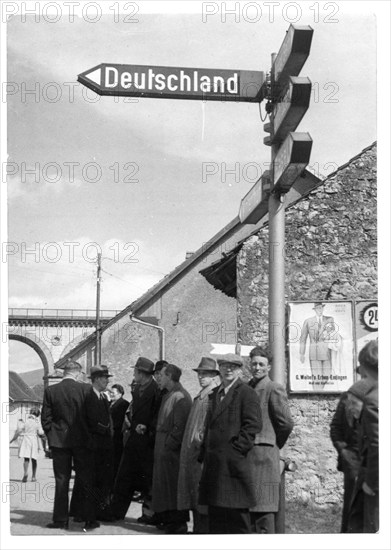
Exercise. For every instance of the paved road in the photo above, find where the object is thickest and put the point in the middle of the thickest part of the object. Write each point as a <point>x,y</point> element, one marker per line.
<point>32,504</point>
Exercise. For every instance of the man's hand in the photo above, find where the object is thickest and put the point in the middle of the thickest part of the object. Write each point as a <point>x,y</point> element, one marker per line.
<point>367,490</point>
<point>302,358</point>
<point>141,429</point>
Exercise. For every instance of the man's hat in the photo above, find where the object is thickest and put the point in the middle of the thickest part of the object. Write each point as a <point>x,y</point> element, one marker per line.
<point>230,359</point>
<point>144,365</point>
<point>207,364</point>
<point>99,370</point>
<point>316,304</point>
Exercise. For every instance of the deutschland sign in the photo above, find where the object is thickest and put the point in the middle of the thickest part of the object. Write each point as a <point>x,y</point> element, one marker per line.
<point>174,82</point>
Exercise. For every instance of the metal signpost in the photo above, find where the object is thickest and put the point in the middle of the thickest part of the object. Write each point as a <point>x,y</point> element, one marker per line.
<point>288,101</point>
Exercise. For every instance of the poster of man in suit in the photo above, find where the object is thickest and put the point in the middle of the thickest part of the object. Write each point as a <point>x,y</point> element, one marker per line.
<point>321,349</point>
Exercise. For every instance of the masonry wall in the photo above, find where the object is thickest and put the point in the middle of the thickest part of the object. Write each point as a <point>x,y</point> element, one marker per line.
<point>331,245</point>
<point>194,316</point>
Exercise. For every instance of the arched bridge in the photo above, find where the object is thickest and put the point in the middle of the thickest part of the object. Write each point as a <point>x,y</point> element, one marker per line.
<point>53,332</point>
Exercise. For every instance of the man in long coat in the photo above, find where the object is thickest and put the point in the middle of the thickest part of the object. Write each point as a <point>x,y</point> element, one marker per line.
<point>64,421</point>
<point>135,469</point>
<point>227,484</point>
<point>101,427</point>
<point>264,458</point>
<point>190,468</point>
<point>171,422</point>
<point>364,512</point>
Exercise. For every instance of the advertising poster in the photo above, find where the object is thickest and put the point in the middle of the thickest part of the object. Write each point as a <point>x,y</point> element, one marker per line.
<point>321,347</point>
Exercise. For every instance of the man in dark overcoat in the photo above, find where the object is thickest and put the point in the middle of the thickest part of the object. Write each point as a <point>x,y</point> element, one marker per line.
<point>364,511</point>
<point>264,457</point>
<point>135,469</point>
<point>227,483</point>
<point>101,427</point>
<point>64,421</point>
<point>173,414</point>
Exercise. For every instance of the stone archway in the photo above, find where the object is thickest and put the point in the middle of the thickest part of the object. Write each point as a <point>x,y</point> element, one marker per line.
<point>38,346</point>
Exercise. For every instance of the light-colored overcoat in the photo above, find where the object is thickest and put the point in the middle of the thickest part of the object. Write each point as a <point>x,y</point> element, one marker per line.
<point>264,457</point>
<point>190,467</point>
<point>171,423</point>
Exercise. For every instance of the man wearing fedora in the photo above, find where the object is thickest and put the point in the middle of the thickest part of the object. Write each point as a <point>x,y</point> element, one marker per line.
<point>64,421</point>
<point>189,467</point>
<point>101,427</point>
<point>135,469</point>
<point>227,485</point>
<point>314,328</point>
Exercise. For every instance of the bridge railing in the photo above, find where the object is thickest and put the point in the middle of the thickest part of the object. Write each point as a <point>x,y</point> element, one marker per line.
<point>72,314</point>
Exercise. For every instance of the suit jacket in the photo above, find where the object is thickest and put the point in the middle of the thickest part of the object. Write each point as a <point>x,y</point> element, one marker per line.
<point>231,427</point>
<point>99,420</point>
<point>319,348</point>
<point>64,414</point>
<point>264,457</point>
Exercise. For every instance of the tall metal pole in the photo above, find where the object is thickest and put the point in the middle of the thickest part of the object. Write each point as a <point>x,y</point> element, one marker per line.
<point>276,270</point>
<point>98,354</point>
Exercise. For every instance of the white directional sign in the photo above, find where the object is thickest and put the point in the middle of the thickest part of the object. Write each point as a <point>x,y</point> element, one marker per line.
<point>221,349</point>
<point>174,82</point>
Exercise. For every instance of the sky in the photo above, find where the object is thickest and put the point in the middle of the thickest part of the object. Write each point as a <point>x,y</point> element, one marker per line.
<point>147,180</point>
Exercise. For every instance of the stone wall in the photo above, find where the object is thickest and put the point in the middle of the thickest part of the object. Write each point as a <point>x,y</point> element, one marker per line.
<point>331,245</point>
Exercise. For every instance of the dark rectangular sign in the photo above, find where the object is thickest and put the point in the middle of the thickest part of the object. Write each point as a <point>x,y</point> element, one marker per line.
<point>174,82</point>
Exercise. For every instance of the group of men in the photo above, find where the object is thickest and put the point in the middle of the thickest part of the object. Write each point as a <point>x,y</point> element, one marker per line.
<point>216,455</point>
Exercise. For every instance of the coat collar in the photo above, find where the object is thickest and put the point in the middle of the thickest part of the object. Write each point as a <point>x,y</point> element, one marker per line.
<point>206,391</point>
<point>261,384</point>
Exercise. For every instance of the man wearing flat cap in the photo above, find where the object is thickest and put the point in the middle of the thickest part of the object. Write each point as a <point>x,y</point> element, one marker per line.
<point>64,420</point>
<point>101,427</point>
<point>189,467</point>
<point>135,469</point>
<point>227,485</point>
<point>316,329</point>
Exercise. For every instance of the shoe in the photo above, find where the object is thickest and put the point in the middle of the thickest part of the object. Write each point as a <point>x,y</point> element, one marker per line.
<point>24,479</point>
<point>57,525</point>
<point>90,525</point>
<point>176,529</point>
<point>106,516</point>
<point>78,519</point>
<point>147,520</point>
<point>33,479</point>
<point>161,526</point>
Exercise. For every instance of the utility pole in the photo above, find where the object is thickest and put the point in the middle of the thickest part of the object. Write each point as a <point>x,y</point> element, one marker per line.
<point>98,354</point>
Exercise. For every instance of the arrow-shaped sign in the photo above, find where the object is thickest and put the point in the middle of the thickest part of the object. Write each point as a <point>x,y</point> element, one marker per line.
<point>174,82</point>
<point>292,158</point>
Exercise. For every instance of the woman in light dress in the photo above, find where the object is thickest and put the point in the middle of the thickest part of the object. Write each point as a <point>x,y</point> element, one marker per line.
<point>29,434</point>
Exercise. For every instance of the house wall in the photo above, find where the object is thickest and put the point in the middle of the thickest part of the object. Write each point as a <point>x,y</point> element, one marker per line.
<point>331,253</point>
